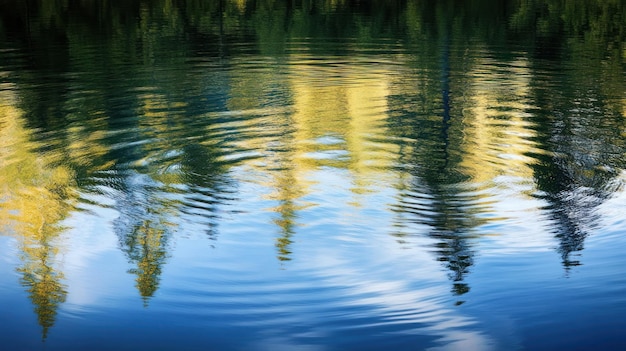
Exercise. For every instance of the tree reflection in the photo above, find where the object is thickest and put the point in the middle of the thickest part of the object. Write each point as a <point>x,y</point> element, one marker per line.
<point>140,91</point>
<point>584,161</point>
<point>435,196</point>
<point>144,234</point>
<point>152,202</point>
<point>36,194</point>
<point>287,212</point>
<point>579,124</point>
<point>43,281</point>
<point>574,181</point>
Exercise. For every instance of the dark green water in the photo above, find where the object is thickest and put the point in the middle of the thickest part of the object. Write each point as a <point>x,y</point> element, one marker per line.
<point>312,175</point>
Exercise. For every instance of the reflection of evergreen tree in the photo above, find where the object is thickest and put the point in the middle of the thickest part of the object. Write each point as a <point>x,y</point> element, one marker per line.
<point>451,222</point>
<point>36,195</point>
<point>287,194</point>
<point>435,197</point>
<point>143,230</point>
<point>573,185</point>
<point>146,246</point>
<point>151,200</point>
<point>579,125</point>
<point>433,200</point>
<point>585,155</point>
<point>127,49</point>
<point>286,223</point>
<point>43,281</point>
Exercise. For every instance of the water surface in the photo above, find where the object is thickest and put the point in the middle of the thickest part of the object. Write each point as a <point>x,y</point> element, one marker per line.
<point>316,175</point>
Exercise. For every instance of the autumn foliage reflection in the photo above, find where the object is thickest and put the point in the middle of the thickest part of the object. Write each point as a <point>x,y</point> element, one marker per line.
<point>160,102</point>
<point>36,194</point>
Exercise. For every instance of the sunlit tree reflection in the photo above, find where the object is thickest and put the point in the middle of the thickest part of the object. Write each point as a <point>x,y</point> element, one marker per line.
<point>36,194</point>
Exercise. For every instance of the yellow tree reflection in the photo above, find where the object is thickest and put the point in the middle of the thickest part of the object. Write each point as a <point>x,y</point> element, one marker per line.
<point>35,195</point>
<point>145,246</point>
<point>274,137</point>
<point>143,227</point>
<point>498,131</point>
<point>342,108</point>
<point>287,195</point>
<point>337,119</point>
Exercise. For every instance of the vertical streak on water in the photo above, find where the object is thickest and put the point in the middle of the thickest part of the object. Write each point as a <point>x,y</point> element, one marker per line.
<point>221,40</point>
<point>445,91</point>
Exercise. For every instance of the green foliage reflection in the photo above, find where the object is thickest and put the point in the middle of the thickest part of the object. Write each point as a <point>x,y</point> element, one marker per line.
<point>147,89</point>
<point>35,195</point>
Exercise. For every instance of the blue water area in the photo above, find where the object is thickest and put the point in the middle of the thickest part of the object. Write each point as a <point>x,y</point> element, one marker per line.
<point>312,175</point>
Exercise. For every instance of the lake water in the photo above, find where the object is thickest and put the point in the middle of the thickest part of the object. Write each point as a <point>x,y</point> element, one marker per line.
<point>312,175</point>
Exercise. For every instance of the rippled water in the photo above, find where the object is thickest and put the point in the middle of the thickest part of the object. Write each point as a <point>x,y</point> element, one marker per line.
<point>250,175</point>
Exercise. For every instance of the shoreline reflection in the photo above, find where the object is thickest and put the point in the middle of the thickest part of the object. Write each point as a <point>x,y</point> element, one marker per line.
<point>326,174</point>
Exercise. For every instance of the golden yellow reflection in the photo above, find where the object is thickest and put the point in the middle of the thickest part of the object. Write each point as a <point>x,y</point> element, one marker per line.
<point>371,154</point>
<point>241,4</point>
<point>146,247</point>
<point>274,138</point>
<point>162,127</point>
<point>36,195</point>
<point>287,196</point>
<point>336,119</point>
<point>497,131</point>
<point>340,118</point>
